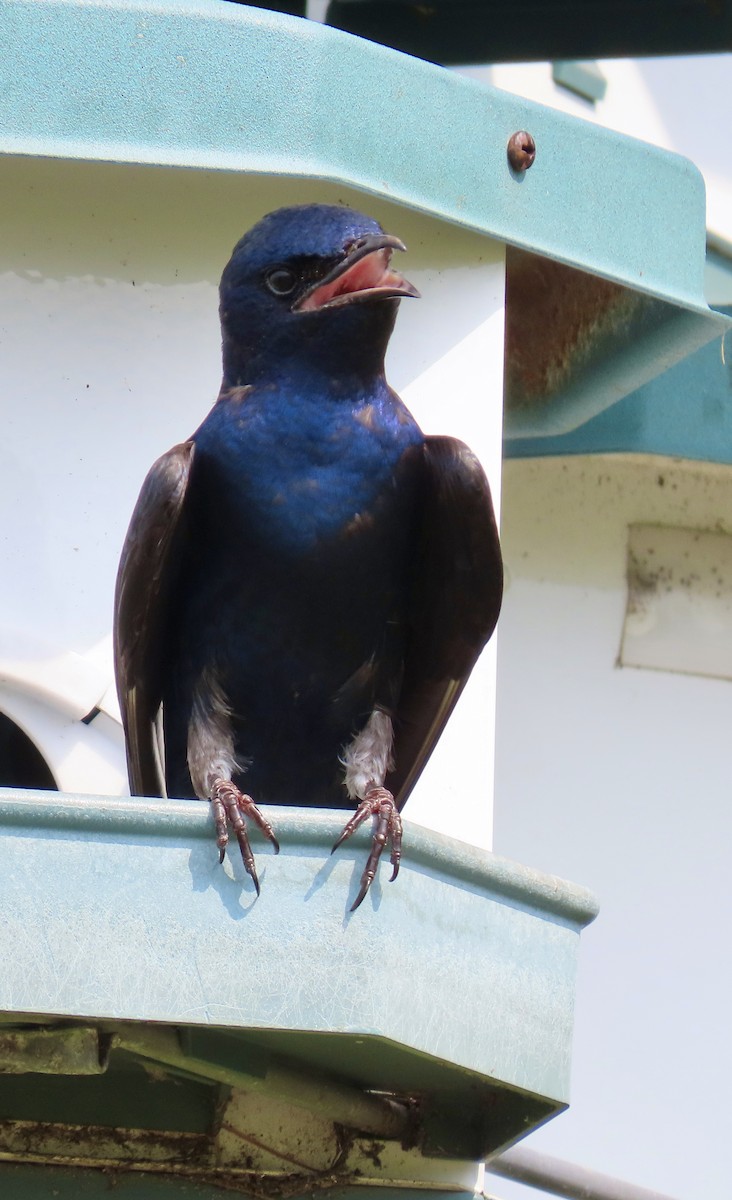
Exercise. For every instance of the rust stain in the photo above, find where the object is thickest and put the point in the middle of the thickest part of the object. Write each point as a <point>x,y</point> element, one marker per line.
<point>555,318</point>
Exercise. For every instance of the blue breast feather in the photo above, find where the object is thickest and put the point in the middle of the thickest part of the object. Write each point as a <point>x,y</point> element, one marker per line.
<point>293,469</point>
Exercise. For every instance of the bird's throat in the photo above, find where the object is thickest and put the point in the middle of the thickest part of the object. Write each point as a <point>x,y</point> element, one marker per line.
<point>341,348</point>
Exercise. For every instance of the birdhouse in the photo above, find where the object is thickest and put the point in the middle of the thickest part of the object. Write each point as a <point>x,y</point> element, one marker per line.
<point>156,1016</point>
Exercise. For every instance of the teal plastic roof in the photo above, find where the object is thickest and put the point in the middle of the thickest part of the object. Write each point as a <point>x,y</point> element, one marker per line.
<point>209,84</point>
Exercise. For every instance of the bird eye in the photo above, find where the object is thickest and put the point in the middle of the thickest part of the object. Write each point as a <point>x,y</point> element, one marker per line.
<point>281,281</point>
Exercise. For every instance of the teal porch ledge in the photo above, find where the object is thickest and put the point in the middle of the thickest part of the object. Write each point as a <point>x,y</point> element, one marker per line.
<point>438,1017</point>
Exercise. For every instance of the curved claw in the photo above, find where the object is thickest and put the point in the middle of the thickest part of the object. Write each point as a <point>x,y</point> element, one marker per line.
<point>380,803</point>
<point>230,806</point>
<point>251,870</point>
<point>395,829</point>
<point>361,895</point>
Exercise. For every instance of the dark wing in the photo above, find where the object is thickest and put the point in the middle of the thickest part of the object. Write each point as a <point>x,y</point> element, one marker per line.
<point>455,602</point>
<point>147,575</point>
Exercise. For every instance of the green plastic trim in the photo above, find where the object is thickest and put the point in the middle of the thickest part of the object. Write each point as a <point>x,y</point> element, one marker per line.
<point>214,85</point>
<point>459,974</point>
<point>111,819</point>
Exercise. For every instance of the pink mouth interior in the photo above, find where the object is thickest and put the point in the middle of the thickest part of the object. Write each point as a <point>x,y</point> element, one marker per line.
<point>368,273</point>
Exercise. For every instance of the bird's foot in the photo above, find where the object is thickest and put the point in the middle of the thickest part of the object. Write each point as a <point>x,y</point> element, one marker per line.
<point>230,807</point>
<point>379,803</point>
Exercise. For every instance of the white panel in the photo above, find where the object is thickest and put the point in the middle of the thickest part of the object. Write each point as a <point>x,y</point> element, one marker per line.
<point>620,780</point>
<point>461,392</point>
<point>679,610</point>
<point>111,354</point>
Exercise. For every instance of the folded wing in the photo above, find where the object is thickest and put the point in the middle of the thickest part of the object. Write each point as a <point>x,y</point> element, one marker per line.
<point>456,598</point>
<point>146,581</point>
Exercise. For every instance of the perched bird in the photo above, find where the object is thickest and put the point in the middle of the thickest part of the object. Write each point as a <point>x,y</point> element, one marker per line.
<point>306,582</point>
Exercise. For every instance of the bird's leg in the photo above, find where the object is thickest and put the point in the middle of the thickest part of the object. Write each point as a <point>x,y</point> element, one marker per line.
<point>229,807</point>
<point>212,762</point>
<point>378,802</point>
<point>367,759</point>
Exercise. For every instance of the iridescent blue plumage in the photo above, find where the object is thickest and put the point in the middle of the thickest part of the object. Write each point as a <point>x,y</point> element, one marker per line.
<point>308,578</point>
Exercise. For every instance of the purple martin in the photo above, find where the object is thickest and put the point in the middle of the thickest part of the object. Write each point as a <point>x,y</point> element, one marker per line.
<point>308,580</point>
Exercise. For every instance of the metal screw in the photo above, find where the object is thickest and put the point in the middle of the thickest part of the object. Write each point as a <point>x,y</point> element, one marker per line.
<point>521,150</point>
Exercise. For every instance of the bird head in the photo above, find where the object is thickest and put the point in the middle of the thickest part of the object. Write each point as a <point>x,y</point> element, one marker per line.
<point>310,285</point>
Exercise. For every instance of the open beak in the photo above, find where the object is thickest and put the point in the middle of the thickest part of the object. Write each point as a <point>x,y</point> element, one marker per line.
<point>364,273</point>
